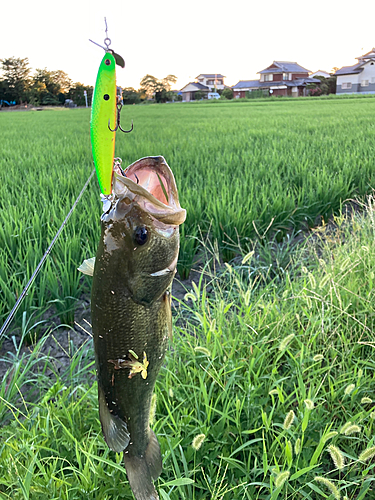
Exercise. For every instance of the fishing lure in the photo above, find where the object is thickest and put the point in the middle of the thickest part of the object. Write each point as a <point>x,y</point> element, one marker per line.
<point>105,109</point>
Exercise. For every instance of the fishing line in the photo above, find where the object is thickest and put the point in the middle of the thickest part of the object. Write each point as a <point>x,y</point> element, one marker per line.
<point>43,259</point>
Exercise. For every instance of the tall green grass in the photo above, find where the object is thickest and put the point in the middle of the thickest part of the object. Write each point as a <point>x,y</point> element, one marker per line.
<point>267,391</point>
<point>243,169</point>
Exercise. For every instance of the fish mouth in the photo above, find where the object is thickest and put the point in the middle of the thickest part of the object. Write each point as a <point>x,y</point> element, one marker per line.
<point>150,183</point>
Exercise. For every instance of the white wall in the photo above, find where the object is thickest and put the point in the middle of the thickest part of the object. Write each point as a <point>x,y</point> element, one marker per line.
<point>348,78</point>
<point>211,85</point>
<point>368,72</point>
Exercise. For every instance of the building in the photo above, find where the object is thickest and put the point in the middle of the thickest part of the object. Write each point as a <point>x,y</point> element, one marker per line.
<point>281,78</point>
<point>204,83</point>
<point>212,80</point>
<point>320,72</point>
<point>359,78</point>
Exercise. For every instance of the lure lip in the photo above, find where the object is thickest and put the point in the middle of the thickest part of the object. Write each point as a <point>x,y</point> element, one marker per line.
<point>119,59</point>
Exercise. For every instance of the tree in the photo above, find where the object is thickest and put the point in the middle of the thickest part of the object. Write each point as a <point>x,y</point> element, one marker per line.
<point>16,79</point>
<point>227,93</point>
<point>326,86</point>
<point>76,93</point>
<point>130,96</point>
<point>152,87</point>
<point>50,100</point>
<point>149,85</point>
<point>168,81</point>
<point>36,93</point>
<point>56,82</point>
<point>198,95</point>
<point>49,87</point>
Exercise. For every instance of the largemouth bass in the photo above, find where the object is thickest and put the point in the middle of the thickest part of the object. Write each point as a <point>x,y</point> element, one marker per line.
<point>131,310</point>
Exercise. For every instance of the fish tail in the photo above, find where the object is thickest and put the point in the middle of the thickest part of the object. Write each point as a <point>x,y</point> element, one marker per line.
<point>143,470</point>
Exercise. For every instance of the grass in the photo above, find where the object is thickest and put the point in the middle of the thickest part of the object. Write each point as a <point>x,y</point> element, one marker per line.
<point>267,391</point>
<point>244,170</point>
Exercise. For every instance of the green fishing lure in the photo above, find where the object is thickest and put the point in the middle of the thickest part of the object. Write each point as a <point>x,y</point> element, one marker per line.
<point>103,112</point>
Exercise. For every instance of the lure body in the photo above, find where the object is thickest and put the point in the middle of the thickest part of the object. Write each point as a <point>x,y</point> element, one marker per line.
<point>103,112</point>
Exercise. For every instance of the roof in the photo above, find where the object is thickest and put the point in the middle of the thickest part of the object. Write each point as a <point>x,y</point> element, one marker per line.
<point>349,70</point>
<point>298,82</point>
<point>198,86</point>
<point>245,84</point>
<point>211,75</point>
<point>284,67</point>
<point>357,68</point>
<point>368,55</point>
<point>319,71</point>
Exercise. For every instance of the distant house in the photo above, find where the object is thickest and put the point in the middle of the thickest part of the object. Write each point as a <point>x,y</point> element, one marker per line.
<point>211,80</point>
<point>281,78</point>
<point>320,73</point>
<point>204,83</point>
<point>359,78</point>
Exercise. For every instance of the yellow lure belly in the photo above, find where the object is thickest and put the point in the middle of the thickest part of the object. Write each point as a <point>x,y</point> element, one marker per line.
<point>103,110</point>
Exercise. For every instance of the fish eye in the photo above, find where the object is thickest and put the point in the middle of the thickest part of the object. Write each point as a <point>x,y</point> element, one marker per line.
<point>106,97</point>
<point>141,235</point>
<point>108,62</point>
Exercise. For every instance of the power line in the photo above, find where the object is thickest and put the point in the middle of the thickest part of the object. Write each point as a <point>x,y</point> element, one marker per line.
<point>43,259</point>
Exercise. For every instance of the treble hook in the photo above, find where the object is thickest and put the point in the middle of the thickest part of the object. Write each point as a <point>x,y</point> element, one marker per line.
<point>118,126</point>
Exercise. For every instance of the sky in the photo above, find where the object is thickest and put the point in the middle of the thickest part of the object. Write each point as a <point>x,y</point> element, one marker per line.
<point>235,38</point>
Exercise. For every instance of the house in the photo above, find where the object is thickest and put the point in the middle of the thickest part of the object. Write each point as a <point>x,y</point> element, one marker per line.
<point>320,72</point>
<point>203,83</point>
<point>359,78</point>
<point>211,80</point>
<point>281,78</point>
<point>244,86</point>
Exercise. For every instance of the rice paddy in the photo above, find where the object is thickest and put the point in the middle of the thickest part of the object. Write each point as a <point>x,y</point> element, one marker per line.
<point>268,389</point>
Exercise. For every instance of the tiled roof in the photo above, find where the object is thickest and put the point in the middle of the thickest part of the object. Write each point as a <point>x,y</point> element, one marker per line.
<point>368,55</point>
<point>284,67</point>
<point>218,75</point>
<point>349,70</point>
<point>199,86</point>
<point>298,82</point>
<point>246,84</point>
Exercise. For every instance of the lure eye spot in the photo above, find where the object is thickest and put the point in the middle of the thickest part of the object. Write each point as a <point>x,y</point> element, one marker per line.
<point>107,62</point>
<point>141,235</point>
<point>106,97</point>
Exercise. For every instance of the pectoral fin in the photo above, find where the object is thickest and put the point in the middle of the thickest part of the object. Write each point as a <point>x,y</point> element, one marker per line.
<point>87,266</point>
<point>115,431</point>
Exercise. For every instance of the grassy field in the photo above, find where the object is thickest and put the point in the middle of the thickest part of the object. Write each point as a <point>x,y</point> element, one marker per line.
<point>272,368</point>
<point>273,379</point>
<point>242,169</point>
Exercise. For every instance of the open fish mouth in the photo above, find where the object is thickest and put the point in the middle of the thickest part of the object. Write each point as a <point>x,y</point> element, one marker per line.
<point>150,183</point>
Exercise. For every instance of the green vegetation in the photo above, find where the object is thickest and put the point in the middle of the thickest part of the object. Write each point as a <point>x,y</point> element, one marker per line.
<point>45,87</point>
<point>244,170</point>
<point>267,391</point>
<point>53,88</point>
